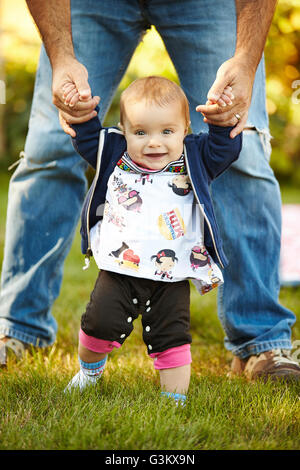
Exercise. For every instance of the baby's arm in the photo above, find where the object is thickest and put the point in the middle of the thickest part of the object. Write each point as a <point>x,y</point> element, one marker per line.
<point>218,150</point>
<point>86,139</point>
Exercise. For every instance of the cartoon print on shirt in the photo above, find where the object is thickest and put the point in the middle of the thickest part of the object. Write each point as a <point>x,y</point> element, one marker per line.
<point>113,217</point>
<point>143,178</point>
<point>214,283</point>
<point>181,185</point>
<point>164,262</point>
<point>199,257</point>
<point>213,278</point>
<point>130,200</point>
<point>171,224</point>
<point>127,197</point>
<point>130,238</point>
<point>125,257</point>
<point>117,182</point>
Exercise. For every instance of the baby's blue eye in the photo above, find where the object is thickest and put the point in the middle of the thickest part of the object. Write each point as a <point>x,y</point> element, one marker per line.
<point>167,131</point>
<point>139,133</point>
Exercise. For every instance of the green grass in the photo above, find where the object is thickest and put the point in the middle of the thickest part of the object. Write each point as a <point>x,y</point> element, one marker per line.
<point>125,411</point>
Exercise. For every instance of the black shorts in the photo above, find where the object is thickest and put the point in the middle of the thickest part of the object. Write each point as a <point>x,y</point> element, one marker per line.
<point>117,300</point>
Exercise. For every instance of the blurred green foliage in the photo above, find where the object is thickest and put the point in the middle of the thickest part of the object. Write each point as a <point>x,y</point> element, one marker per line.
<point>282,65</point>
<point>282,53</point>
<point>19,91</point>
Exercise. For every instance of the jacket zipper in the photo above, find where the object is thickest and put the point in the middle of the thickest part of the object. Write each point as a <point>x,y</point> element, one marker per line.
<point>100,149</point>
<point>201,208</point>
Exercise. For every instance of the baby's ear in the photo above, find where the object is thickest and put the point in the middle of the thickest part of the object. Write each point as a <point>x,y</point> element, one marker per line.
<point>187,128</point>
<point>120,126</point>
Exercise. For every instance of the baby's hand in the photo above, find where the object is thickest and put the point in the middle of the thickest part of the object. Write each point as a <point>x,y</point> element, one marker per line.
<point>72,99</point>
<point>70,94</point>
<point>225,99</point>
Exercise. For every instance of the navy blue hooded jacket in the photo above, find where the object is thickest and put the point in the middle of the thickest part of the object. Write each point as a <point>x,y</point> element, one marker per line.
<point>207,155</point>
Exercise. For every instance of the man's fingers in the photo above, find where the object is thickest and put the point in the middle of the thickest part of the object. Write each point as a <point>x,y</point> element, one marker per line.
<point>81,108</point>
<point>68,77</point>
<point>226,118</point>
<point>230,121</point>
<point>65,126</point>
<point>69,130</point>
<point>85,94</point>
<point>80,80</point>
<point>208,109</point>
<point>85,107</point>
<point>83,89</point>
<point>70,119</point>
<point>239,127</point>
<point>217,88</point>
<point>215,109</point>
<point>66,119</point>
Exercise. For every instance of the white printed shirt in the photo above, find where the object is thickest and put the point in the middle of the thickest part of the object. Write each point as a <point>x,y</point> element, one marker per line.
<point>152,227</point>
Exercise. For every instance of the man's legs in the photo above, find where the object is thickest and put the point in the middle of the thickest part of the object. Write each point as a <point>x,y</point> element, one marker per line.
<point>251,232</point>
<point>246,197</point>
<point>45,196</point>
<point>47,189</point>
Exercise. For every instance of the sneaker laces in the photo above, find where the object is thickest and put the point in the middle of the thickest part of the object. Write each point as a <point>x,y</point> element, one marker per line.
<point>80,381</point>
<point>17,346</point>
<point>283,356</point>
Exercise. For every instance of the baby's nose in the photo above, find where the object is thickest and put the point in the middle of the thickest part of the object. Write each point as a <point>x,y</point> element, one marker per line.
<point>154,142</point>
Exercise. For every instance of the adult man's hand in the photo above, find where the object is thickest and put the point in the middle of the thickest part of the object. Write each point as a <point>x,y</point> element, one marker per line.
<point>239,75</point>
<point>72,94</point>
<point>71,90</point>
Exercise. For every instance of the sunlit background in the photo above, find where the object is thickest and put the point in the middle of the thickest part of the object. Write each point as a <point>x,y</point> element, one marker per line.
<point>19,52</point>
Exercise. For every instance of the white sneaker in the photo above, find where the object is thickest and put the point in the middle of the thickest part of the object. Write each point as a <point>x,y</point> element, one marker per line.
<point>80,381</point>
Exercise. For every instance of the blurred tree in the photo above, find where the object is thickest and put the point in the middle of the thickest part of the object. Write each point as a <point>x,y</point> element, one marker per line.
<point>2,88</point>
<point>282,54</point>
<point>19,91</point>
<point>21,44</point>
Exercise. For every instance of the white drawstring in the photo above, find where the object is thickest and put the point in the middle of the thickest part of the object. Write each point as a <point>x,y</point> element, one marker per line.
<point>21,156</point>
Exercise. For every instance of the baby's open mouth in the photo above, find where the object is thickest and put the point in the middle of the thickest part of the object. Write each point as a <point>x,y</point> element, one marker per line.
<point>155,155</point>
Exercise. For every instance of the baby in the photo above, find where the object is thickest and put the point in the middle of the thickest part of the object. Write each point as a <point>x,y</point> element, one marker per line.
<point>149,223</point>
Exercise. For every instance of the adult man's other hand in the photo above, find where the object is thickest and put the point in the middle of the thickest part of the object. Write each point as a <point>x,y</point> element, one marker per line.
<point>239,75</point>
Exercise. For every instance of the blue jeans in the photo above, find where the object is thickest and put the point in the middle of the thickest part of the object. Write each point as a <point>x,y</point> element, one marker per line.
<point>47,189</point>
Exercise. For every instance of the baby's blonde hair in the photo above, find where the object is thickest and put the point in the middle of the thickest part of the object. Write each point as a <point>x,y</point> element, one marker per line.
<point>155,89</point>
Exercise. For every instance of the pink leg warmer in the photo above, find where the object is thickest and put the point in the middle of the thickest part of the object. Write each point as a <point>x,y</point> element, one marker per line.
<point>97,345</point>
<point>173,357</point>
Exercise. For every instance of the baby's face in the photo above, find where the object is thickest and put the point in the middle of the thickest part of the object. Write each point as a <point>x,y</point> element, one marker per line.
<point>154,133</point>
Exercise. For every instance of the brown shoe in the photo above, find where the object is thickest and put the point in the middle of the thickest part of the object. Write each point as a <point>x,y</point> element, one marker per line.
<point>275,364</point>
<point>10,344</point>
